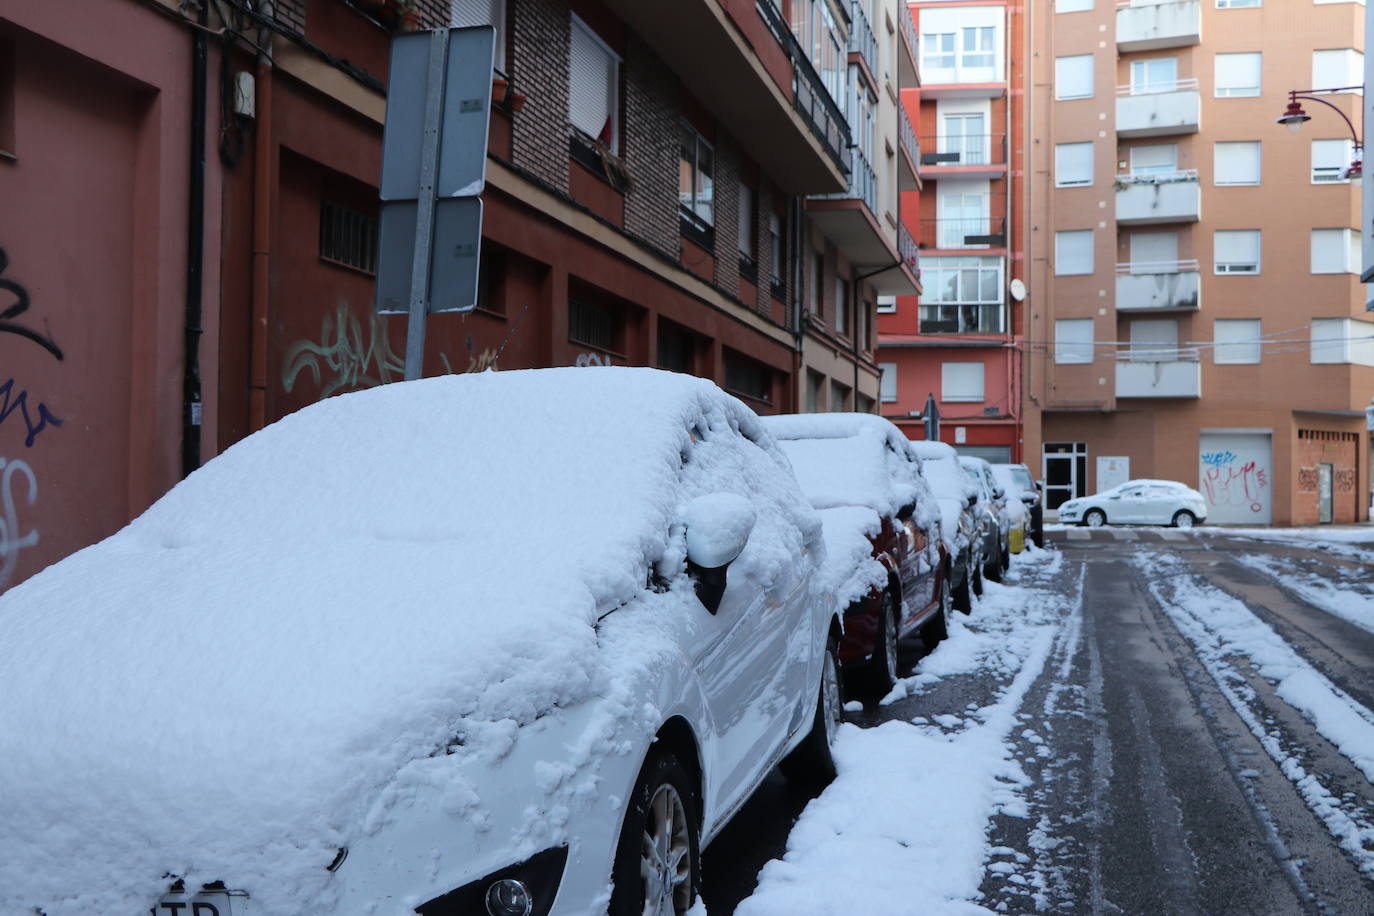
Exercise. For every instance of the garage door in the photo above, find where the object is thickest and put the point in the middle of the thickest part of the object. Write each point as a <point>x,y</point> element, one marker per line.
<point>994,454</point>
<point>1235,472</point>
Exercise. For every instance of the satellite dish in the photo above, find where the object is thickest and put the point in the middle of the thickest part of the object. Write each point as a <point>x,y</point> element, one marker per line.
<point>1018,290</point>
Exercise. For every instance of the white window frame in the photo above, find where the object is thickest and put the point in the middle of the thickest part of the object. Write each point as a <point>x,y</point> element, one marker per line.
<point>1336,251</point>
<point>949,379</point>
<point>887,304</point>
<point>1071,346</point>
<point>1349,73</point>
<point>1072,6</point>
<point>1222,147</point>
<point>887,382</point>
<point>1061,76</point>
<point>580,28</point>
<point>841,306</point>
<point>1237,342</point>
<point>699,198</point>
<point>1331,174</point>
<point>1238,92</point>
<point>1143,84</point>
<point>1244,4</point>
<point>1069,247</point>
<point>1169,166</point>
<point>1231,268</point>
<point>1067,165</point>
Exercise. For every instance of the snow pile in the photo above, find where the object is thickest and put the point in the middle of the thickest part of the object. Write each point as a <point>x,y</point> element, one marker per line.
<point>1350,600</point>
<point>224,688</point>
<point>902,829</point>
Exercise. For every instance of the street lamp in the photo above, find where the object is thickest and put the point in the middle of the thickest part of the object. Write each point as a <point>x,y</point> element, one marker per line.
<point>1294,118</point>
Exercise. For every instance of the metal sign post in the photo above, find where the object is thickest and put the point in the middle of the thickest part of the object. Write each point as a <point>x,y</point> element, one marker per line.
<point>931,418</point>
<point>434,159</point>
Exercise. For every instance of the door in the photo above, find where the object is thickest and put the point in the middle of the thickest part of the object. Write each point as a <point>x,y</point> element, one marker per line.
<point>1235,473</point>
<point>966,136</point>
<point>1154,160</point>
<point>1154,252</point>
<point>1325,477</point>
<point>1065,471</point>
<point>962,215</point>
<point>1156,74</point>
<point>1154,341</point>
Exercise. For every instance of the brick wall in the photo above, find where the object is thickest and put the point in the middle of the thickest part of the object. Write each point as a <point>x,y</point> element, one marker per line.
<point>1339,449</point>
<point>651,150</point>
<point>538,65</point>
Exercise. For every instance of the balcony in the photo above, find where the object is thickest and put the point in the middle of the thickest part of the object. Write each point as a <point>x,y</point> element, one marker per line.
<point>1179,376</point>
<point>863,44</point>
<point>964,156</point>
<point>979,232</point>
<point>1145,25</point>
<point>745,68</point>
<point>852,221</point>
<point>1160,197</point>
<point>1158,286</point>
<point>908,74</point>
<point>963,318</point>
<point>1158,110</point>
<point>909,168</point>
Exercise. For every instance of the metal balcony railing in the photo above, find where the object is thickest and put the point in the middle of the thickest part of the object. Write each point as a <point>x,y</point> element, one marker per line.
<point>1155,87</point>
<point>1157,267</point>
<point>964,149</point>
<point>863,183</point>
<point>908,250</point>
<point>907,27</point>
<point>964,232</point>
<point>1171,176</point>
<point>862,41</point>
<point>809,96</point>
<point>906,135</point>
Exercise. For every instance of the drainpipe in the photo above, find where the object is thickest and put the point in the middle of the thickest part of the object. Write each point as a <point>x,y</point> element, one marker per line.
<point>262,231</point>
<point>195,253</point>
<point>797,207</point>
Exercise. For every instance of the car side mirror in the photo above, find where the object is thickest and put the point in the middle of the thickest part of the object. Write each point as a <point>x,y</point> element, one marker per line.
<point>999,493</point>
<point>718,527</point>
<point>972,501</point>
<point>1116,496</point>
<point>906,512</point>
<point>1029,499</point>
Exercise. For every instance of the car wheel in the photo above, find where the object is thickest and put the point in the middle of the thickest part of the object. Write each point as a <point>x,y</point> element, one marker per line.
<point>992,571</point>
<point>1094,518</point>
<point>1184,519</point>
<point>658,860</point>
<point>937,630</point>
<point>882,670</point>
<point>963,600</point>
<point>811,762</point>
<point>976,571</point>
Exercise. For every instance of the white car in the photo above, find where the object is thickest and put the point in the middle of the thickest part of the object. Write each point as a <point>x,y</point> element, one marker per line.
<point>1138,502</point>
<point>507,643</point>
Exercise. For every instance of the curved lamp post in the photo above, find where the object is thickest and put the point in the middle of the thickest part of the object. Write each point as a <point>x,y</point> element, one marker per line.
<point>1294,118</point>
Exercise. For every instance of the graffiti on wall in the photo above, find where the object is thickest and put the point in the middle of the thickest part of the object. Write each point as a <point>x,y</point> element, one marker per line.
<point>1345,480</point>
<point>1231,482</point>
<point>11,540</point>
<point>19,306</point>
<point>592,359</point>
<point>12,402</point>
<point>1308,480</point>
<point>345,356</point>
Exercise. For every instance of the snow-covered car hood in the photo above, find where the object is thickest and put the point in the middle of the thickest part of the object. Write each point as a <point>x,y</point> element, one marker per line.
<point>236,675</point>
<point>850,570</point>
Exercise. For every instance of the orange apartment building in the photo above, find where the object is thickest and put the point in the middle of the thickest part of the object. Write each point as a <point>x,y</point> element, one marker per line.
<point>1194,308</point>
<point>958,340</point>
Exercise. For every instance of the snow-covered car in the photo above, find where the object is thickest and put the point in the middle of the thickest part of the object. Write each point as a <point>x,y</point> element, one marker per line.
<point>885,561</point>
<point>961,528</point>
<point>1017,502</point>
<point>515,642</point>
<point>1021,476</point>
<point>1138,502</point>
<point>996,520</point>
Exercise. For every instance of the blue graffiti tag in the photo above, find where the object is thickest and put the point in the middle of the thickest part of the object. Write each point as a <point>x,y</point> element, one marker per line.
<point>1217,459</point>
<point>20,402</point>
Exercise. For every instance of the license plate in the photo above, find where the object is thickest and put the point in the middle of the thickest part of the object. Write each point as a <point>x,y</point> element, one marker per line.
<point>206,903</point>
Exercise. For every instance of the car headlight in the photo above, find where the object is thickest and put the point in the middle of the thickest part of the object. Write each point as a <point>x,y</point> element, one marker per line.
<point>524,889</point>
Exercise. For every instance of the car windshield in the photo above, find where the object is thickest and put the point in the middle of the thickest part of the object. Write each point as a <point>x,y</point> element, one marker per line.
<point>1022,477</point>
<point>944,478</point>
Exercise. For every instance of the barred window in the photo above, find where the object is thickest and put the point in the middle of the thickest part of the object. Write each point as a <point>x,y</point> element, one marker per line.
<point>592,324</point>
<point>348,237</point>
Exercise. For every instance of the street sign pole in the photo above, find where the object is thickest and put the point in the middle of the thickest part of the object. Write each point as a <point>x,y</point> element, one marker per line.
<point>931,416</point>
<point>424,213</point>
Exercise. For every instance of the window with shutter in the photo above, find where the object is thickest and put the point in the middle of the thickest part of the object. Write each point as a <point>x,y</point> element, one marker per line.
<point>1237,163</point>
<point>1237,341</point>
<point>1236,251</point>
<point>961,381</point>
<point>1073,252</point>
<point>1073,77</point>
<point>1329,160</point>
<point>484,12</point>
<point>1073,341</point>
<point>887,381</point>
<point>1237,75</point>
<point>1161,159</point>
<point>1337,68</point>
<point>1335,251</point>
<point>1073,165</point>
<point>594,86</point>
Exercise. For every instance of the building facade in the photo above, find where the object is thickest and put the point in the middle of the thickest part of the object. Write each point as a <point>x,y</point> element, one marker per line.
<point>1195,311</point>
<point>957,343</point>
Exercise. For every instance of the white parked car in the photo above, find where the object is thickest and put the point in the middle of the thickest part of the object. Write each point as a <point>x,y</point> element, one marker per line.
<point>508,643</point>
<point>1138,502</point>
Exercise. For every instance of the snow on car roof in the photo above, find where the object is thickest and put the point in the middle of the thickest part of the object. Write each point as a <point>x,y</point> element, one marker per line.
<point>849,460</point>
<point>940,464</point>
<point>223,689</point>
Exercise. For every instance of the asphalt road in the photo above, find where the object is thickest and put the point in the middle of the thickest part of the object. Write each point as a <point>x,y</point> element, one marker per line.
<point>1153,789</point>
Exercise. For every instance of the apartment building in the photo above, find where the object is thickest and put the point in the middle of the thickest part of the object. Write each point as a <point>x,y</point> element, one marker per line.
<point>957,342</point>
<point>1194,307</point>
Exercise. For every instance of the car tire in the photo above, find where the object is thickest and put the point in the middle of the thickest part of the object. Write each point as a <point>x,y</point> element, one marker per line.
<point>963,598</point>
<point>811,762</point>
<point>992,571</point>
<point>976,571</point>
<point>1094,518</point>
<point>1184,519</point>
<point>881,673</point>
<point>937,630</point>
<point>657,865</point>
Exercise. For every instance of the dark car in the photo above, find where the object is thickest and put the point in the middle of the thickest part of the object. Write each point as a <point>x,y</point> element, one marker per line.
<point>963,526</point>
<point>886,560</point>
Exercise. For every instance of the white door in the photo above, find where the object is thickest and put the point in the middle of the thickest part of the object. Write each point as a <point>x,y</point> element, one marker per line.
<point>1154,252</point>
<point>1155,340</point>
<point>1154,160</point>
<point>962,215</point>
<point>965,135</point>
<point>1235,473</point>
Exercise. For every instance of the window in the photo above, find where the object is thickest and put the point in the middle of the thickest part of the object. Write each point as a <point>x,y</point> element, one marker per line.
<point>747,377</point>
<point>1239,4</point>
<point>937,51</point>
<point>963,216</point>
<point>887,305</point>
<point>1157,74</point>
<point>1236,163</point>
<point>1237,75</point>
<point>594,86</point>
<point>1342,340</point>
<point>484,12</point>
<point>747,230</point>
<point>1073,165</point>
<point>348,236</point>
<point>696,189</point>
<point>978,51</point>
<point>676,348</point>
<point>1073,252</point>
<point>887,383</point>
<point>1073,77</point>
<point>961,381</point>
<point>1073,340</point>
<point>1236,251</point>
<point>1330,159</point>
<point>1336,68</point>
<point>1237,341</point>
<point>863,326</point>
<point>1154,341</point>
<point>1335,251</point>
<point>814,384</point>
<point>776,252</point>
<point>1153,252</point>
<point>839,397</point>
<point>593,324</point>
<point>1160,159</point>
<point>964,136</point>
<point>841,306</point>
<point>1072,6</point>
<point>962,295</point>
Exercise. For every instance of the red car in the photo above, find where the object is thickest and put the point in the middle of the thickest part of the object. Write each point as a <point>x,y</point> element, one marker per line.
<point>886,562</point>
